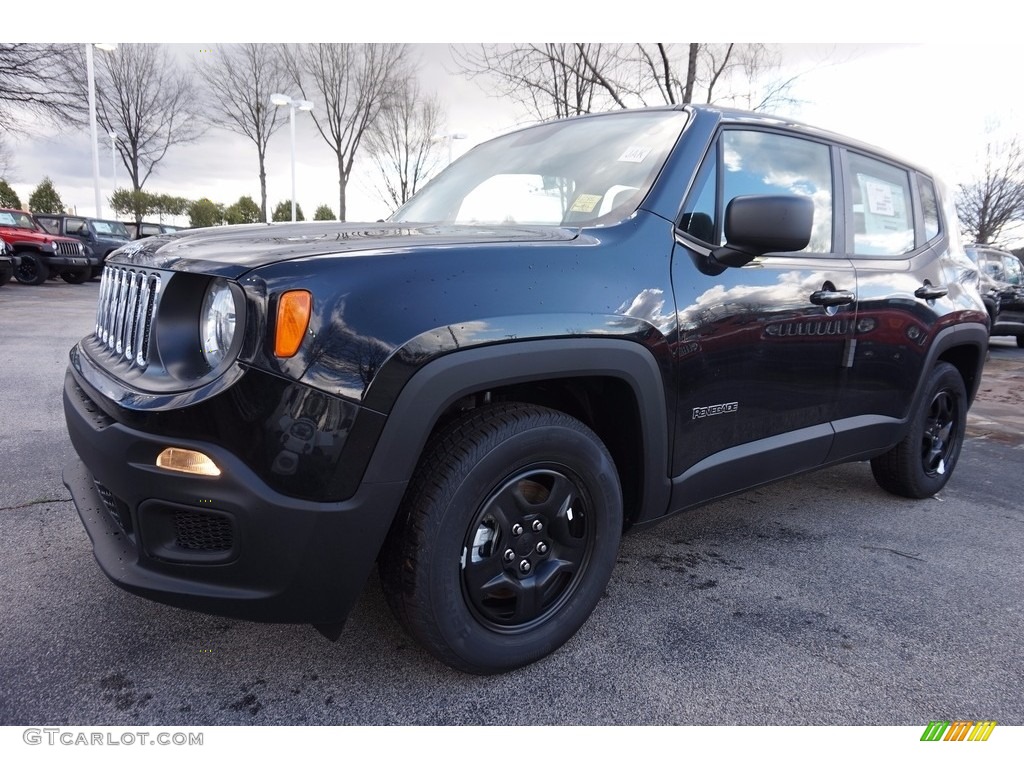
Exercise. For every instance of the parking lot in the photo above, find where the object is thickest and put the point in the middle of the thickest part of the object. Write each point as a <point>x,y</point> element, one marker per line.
<point>821,600</point>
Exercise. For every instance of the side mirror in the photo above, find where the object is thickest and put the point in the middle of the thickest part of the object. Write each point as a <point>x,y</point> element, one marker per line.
<point>760,224</point>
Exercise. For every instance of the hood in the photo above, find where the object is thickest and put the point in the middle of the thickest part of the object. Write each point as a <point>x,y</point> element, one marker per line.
<point>17,234</point>
<point>232,250</point>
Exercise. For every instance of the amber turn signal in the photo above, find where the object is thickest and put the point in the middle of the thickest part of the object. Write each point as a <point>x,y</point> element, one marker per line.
<point>293,310</point>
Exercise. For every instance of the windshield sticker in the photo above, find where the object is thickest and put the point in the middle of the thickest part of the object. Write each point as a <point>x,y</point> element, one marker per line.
<point>585,203</point>
<point>634,155</point>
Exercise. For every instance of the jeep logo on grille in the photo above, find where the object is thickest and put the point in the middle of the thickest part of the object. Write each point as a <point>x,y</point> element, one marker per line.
<point>715,410</point>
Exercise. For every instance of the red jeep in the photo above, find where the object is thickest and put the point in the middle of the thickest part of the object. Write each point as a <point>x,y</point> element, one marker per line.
<point>42,253</point>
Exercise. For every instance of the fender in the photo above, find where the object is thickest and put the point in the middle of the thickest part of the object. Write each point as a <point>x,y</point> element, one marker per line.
<point>851,435</point>
<point>440,383</point>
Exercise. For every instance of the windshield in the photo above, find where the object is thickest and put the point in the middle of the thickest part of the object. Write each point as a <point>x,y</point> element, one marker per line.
<point>18,220</point>
<point>110,228</point>
<point>590,171</point>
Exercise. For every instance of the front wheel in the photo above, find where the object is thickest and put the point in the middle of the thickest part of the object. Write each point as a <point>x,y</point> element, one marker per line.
<point>76,276</point>
<point>922,463</point>
<point>32,270</point>
<point>507,537</point>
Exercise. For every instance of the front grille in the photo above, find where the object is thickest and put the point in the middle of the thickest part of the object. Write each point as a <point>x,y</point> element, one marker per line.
<point>116,508</point>
<point>127,307</point>
<point>68,249</point>
<point>202,532</point>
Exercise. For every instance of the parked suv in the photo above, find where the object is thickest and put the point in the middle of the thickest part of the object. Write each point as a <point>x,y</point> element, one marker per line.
<point>577,328</point>
<point>1002,285</point>
<point>101,237</point>
<point>41,253</point>
<point>8,262</point>
<point>148,229</point>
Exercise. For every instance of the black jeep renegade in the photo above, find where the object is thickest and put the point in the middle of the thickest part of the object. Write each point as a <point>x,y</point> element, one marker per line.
<point>579,327</point>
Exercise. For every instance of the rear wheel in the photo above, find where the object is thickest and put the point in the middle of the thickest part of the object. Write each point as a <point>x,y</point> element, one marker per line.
<point>32,270</point>
<point>507,537</point>
<point>922,463</point>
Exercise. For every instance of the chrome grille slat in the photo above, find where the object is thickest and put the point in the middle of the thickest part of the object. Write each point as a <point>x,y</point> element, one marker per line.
<point>145,328</point>
<point>122,311</point>
<point>133,313</point>
<point>124,318</point>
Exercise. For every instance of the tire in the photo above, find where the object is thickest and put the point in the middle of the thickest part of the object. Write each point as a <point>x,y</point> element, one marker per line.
<point>32,270</point>
<point>923,462</point>
<point>1020,342</point>
<point>76,276</point>
<point>506,539</point>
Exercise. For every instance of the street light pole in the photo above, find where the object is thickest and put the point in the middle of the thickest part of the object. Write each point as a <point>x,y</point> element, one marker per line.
<point>281,100</point>
<point>113,163</point>
<point>90,71</point>
<point>291,126</point>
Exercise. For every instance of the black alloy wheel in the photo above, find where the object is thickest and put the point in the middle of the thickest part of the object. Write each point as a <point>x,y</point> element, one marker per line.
<point>922,463</point>
<point>506,538</point>
<point>32,270</point>
<point>527,549</point>
<point>76,276</point>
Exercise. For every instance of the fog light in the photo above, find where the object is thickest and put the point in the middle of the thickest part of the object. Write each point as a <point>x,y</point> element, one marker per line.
<point>183,460</point>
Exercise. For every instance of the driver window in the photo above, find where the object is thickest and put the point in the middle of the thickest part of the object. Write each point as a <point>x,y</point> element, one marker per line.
<point>763,163</point>
<point>1012,270</point>
<point>760,163</point>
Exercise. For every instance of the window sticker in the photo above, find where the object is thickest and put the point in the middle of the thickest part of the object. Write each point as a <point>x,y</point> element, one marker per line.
<point>880,196</point>
<point>634,155</point>
<point>885,227</point>
<point>585,203</point>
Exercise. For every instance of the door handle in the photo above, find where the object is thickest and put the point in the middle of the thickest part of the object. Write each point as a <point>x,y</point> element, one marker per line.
<point>929,291</point>
<point>825,298</point>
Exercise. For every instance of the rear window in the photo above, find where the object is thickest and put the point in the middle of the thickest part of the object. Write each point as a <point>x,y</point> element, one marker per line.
<point>880,214</point>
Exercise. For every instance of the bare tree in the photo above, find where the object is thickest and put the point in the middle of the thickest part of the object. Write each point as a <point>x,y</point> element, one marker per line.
<point>240,80</point>
<point>144,97</point>
<point>996,199</point>
<point>349,83</point>
<point>38,79</point>
<point>403,142</point>
<point>557,80</point>
<point>548,79</point>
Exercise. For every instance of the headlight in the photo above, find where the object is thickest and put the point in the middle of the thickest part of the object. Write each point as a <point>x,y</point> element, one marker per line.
<point>217,322</point>
<point>53,246</point>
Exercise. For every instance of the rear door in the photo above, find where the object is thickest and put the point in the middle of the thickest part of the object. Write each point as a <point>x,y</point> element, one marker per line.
<point>761,349</point>
<point>896,240</point>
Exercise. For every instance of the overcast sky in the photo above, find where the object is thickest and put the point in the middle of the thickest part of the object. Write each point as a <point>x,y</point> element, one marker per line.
<point>930,102</point>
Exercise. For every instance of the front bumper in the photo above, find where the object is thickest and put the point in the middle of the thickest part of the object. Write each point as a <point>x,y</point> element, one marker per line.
<point>71,262</point>
<point>227,545</point>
